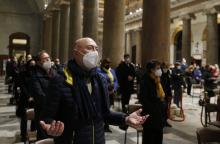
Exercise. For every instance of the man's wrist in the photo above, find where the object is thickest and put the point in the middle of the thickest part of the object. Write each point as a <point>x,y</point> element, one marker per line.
<point>126,119</point>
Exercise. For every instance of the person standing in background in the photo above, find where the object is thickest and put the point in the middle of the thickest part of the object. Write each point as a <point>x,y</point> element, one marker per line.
<point>112,81</point>
<point>126,74</point>
<point>152,97</point>
<point>39,87</point>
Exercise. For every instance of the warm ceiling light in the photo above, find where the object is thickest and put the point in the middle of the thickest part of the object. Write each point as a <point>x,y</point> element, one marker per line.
<point>45,4</point>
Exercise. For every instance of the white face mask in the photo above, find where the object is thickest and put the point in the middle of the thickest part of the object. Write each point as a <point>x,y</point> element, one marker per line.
<point>165,70</point>
<point>47,65</point>
<point>158,72</point>
<point>90,59</point>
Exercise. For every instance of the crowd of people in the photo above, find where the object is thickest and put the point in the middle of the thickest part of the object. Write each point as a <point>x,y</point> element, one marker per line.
<point>72,101</point>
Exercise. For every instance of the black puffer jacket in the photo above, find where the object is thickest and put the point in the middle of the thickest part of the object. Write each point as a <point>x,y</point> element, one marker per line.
<point>62,105</point>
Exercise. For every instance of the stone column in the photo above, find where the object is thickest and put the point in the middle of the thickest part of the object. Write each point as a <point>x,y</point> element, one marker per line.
<point>47,42</point>
<point>55,34</point>
<point>75,28</point>
<point>113,33</point>
<point>186,39</point>
<point>64,32</point>
<point>212,39</point>
<point>90,19</point>
<point>128,43</point>
<point>138,46</point>
<point>156,29</point>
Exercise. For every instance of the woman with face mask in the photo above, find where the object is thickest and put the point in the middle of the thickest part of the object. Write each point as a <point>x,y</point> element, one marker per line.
<point>38,87</point>
<point>152,96</point>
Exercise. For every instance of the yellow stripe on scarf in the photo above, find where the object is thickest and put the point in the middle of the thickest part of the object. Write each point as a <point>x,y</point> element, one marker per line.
<point>109,74</point>
<point>160,91</point>
<point>68,75</point>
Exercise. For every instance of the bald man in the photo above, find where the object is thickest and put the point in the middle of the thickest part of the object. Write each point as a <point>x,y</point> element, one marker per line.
<point>78,101</point>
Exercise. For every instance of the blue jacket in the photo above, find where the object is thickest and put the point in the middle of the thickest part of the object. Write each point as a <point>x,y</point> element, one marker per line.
<point>104,74</point>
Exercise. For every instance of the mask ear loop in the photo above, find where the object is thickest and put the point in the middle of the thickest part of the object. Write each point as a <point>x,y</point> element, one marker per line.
<point>79,52</point>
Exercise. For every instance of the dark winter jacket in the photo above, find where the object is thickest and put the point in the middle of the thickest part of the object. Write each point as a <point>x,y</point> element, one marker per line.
<point>166,84</point>
<point>123,71</point>
<point>151,103</point>
<point>69,101</point>
<point>39,88</point>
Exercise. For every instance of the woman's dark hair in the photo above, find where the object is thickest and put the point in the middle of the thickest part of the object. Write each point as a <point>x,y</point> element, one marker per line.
<point>151,65</point>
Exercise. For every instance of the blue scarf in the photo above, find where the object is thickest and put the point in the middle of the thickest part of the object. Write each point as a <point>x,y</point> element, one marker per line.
<point>85,101</point>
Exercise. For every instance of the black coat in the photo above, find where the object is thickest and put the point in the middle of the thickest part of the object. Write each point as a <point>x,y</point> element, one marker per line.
<point>61,105</point>
<point>151,103</point>
<point>166,84</point>
<point>123,71</point>
<point>177,78</point>
<point>38,89</point>
<point>23,82</point>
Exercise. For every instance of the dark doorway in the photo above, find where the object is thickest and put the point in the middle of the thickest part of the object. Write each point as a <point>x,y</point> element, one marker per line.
<point>134,54</point>
<point>178,47</point>
<point>19,44</point>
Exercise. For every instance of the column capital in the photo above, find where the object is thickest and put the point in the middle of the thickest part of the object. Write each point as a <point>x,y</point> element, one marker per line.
<point>62,2</point>
<point>138,29</point>
<point>55,8</point>
<point>47,15</point>
<point>213,10</point>
<point>188,16</point>
<point>128,31</point>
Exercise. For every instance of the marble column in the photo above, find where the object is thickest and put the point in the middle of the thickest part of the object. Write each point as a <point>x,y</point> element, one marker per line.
<point>113,32</point>
<point>138,46</point>
<point>90,19</point>
<point>47,42</point>
<point>186,39</point>
<point>75,27</point>
<point>55,34</point>
<point>212,39</point>
<point>128,43</point>
<point>64,32</point>
<point>156,29</point>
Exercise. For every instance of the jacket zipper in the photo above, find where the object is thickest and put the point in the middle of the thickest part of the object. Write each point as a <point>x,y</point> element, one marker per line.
<point>93,133</point>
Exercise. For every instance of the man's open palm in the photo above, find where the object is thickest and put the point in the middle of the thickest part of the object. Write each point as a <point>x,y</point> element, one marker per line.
<point>56,128</point>
<point>135,119</point>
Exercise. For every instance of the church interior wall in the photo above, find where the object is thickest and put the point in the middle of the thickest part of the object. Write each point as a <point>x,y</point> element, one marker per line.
<point>17,16</point>
<point>198,26</point>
